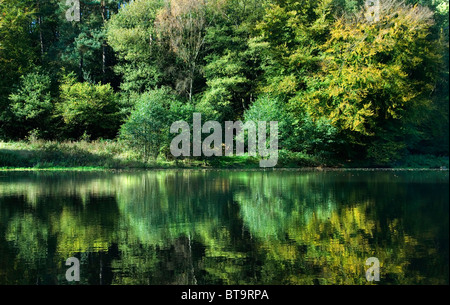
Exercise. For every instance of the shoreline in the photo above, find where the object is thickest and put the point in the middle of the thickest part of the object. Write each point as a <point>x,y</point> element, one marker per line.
<point>114,156</point>
<point>287,169</point>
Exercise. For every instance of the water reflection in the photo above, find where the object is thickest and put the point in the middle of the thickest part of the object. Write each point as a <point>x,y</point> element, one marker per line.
<point>224,227</point>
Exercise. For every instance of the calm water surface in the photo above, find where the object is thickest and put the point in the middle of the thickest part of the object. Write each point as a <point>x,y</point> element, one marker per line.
<point>224,227</point>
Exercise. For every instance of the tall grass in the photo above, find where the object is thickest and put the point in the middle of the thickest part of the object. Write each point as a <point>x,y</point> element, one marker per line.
<point>48,154</point>
<point>106,154</point>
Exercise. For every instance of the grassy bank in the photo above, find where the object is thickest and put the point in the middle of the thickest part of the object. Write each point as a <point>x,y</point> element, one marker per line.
<point>98,155</point>
<point>81,155</point>
<point>102,155</point>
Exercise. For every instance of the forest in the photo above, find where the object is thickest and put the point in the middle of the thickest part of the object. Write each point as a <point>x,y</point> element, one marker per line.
<point>350,82</point>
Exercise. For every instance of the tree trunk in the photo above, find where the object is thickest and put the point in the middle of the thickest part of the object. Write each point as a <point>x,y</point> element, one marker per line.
<point>81,54</point>
<point>191,80</point>
<point>190,88</point>
<point>103,43</point>
<point>41,39</point>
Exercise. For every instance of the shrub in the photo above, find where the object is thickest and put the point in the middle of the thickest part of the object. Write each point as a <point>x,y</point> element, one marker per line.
<point>13,159</point>
<point>89,109</point>
<point>296,159</point>
<point>296,132</point>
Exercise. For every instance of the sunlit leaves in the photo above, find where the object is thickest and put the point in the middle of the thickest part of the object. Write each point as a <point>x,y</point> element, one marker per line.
<point>132,35</point>
<point>87,108</point>
<point>368,70</point>
<point>31,103</point>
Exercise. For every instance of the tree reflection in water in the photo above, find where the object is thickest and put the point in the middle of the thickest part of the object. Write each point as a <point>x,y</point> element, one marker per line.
<point>224,227</point>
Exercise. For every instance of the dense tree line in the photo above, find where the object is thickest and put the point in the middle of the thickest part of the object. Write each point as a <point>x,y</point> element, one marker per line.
<point>341,83</point>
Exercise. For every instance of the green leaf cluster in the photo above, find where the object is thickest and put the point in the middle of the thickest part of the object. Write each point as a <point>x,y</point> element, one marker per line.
<point>88,109</point>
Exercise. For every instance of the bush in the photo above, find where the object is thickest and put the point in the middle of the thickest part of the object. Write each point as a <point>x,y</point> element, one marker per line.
<point>296,159</point>
<point>296,133</point>
<point>317,137</point>
<point>89,109</point>
<point>13,159</point>
<point>385,153</point>
<point>269,109</point>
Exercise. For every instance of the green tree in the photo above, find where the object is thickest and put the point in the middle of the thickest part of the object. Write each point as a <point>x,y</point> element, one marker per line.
<point>376,78</point>
<point>289,40</point>
<point>17,52</point>
<point>142,63</point>
<point>434,132</point>
<point>81,46</point>
<point>147,128</point>
<point>31,103</point>
<point>232,69</point>
<point>226,86</point>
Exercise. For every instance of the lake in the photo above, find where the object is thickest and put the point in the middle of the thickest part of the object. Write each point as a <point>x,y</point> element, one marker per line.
<point>289,227</point>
